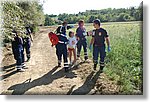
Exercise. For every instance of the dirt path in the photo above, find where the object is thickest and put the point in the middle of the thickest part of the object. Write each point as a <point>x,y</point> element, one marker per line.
<point>42,77</point>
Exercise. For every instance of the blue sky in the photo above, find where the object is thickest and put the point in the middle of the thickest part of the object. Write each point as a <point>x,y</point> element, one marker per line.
<point>75,6</point>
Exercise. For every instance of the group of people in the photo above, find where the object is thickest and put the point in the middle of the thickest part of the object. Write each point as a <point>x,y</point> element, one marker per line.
<point>66,45</point>
<point>19,44</point>
<point>78,40</point>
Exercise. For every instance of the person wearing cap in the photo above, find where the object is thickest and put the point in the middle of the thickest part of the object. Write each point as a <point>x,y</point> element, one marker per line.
<point>27,42</point>
<point>98,41</point>
<point>61,47</point>
<point>17,48</point>
<point>82,41</point>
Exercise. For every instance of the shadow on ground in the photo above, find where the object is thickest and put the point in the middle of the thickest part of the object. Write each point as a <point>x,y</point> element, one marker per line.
<point>9,71</point>
<point>87,86</point>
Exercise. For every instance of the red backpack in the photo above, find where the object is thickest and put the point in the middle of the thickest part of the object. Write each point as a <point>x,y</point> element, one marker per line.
<point>53,38</point>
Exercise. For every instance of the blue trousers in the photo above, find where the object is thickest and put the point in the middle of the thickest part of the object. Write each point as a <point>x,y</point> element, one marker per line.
<point>61,50</point>
<point>99,51</point>
<point>19,56</point>
<point>79,47</point>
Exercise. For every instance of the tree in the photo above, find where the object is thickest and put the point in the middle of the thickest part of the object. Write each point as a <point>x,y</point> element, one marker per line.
<point>18,15</point>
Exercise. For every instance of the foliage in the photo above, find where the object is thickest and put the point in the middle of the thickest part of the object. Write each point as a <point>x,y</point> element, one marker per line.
<point>124,62</point>
<point>105,15</point>
<point>17,15</point>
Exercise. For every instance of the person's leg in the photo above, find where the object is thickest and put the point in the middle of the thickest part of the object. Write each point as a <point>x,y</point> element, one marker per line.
<point>59,55</point>
<point>102,57</point>
<point>70,56</point>
<point>85,50</point>
<point>78,49</point>
<point>19,60</point>
<point>95,56</point>
<point>66,65</point>
<point>75,56</point>
<point>28,45</point>
<point>23,59</point>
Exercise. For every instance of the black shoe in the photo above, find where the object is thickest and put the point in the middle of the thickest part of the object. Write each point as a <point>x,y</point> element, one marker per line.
<point>59,64</point>
<point>85,58</point>
<point>101,68</point>
<point>66,69</point>
<point>95,65</point>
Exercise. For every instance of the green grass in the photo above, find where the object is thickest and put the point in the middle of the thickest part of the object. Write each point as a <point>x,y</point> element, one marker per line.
<point>124,62</point>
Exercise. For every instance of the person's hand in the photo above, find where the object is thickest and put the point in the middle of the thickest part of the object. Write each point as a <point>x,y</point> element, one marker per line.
<point>109,49</point>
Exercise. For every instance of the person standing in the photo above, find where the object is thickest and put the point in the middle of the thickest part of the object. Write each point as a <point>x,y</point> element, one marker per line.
<point>82,41</point>
<point>72,47</point>
<point>98,41</point>
<point>61,47</point>
<point>27,42</point>
<point>17,48</point>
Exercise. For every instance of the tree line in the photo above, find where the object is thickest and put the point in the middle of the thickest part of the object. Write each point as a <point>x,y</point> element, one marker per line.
<point>105,15</point>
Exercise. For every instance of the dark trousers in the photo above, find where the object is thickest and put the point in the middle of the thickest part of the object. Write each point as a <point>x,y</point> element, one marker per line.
<point>61,50</point>
<point>79,47</point>
<point>27,45</point>
<point>19,57</point>
<point>99,51</point>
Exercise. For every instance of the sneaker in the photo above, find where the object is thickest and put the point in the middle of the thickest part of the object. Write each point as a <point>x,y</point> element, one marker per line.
<point>78,58</point>
<point>24,67</point>
<point>20,70</point>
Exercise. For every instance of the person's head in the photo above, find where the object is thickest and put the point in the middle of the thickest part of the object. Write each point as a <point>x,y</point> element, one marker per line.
<point>14,33</point>
<point>81,23</point>
<point>71,34</point>
<point>97,23</point>
<point>64,23</point>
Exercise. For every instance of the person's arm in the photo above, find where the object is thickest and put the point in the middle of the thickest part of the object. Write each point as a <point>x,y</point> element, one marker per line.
<point>77,35</point>
<point>89,33</point>
<point>107,41</point>
<point>69,27</point>
<point>31,37</point>
<point>93,35</point>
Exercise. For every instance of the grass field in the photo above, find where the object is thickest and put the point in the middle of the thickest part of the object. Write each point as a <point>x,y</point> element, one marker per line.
<point>124,62</point>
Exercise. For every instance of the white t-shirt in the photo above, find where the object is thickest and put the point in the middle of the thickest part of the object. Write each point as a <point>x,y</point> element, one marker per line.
<point>72,42</point>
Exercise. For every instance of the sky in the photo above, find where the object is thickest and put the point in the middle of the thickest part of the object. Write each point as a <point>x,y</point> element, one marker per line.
<point>75,6</point>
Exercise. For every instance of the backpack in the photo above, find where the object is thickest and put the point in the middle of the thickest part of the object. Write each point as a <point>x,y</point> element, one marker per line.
<point>53,38</point>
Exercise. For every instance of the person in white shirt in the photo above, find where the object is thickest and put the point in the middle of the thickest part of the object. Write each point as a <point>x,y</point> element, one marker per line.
<point>72,41</point>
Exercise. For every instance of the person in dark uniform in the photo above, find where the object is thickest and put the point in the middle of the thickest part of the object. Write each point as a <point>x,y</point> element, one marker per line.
<point>17,48</point>
<point>61,47</point>
<point>82,41</point>
<point>98,41</point>
<point>27,42</point>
